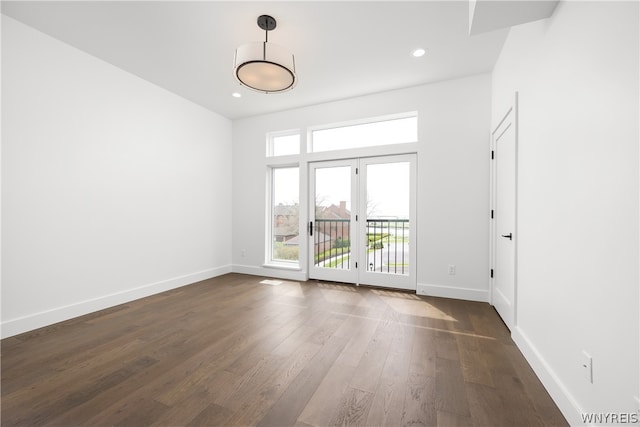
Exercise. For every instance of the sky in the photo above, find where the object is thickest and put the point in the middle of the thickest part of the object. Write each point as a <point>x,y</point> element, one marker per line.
<point>387,187</point>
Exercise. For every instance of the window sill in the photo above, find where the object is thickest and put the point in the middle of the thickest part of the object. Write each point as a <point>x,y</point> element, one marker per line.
<point>283,266</point>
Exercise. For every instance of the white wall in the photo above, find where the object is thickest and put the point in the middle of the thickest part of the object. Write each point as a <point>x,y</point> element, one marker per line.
<point>112,188</point>
<point>577,78</point>
<point>452,223</point>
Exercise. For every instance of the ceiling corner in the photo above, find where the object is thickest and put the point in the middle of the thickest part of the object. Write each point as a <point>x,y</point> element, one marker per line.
<point>489,15</point>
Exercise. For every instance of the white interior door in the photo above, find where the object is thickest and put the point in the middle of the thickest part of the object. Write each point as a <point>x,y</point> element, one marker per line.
<point>362,227</point>
<point>503,292</point>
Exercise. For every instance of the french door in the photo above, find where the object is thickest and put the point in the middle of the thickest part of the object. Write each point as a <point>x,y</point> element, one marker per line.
<point>362,227</point>
<point>334,195</point>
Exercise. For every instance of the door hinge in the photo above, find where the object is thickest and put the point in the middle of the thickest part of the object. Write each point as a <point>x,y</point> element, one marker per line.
<point>492,272</point>
<point>492,213</point>
<point>356,171</point>
<point>356,265</point>
<point>492,155</point>
<point>356,218</point>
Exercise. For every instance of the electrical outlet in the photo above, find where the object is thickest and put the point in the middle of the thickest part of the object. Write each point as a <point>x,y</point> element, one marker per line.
<point>452,270</point>
<point>587,366</point>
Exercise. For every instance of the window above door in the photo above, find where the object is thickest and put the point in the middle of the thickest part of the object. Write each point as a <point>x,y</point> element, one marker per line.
<point>396,129</point>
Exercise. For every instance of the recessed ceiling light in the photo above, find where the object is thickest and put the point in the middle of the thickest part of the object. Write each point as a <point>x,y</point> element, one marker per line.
<point>236,95</point>
<point>418,53</point>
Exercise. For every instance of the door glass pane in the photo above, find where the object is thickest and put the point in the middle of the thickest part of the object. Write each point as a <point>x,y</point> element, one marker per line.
<point>387,222</point>
<point>332,224</point>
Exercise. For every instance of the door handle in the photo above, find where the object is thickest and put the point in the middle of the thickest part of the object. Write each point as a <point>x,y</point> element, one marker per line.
<point>508,236</point>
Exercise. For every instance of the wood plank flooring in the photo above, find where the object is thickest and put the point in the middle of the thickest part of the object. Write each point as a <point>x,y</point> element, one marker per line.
<point>232,351</point>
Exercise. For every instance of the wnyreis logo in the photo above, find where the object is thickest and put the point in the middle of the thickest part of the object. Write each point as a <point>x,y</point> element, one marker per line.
<point>611,418</point>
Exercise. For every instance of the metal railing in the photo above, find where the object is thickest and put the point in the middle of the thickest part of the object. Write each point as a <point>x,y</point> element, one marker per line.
<point>388,245</point>
<point>332,247</point>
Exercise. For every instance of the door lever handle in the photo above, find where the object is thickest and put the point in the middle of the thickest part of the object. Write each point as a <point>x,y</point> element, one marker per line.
<point>508,236</point>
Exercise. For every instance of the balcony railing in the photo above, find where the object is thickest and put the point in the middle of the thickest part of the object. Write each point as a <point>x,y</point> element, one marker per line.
<point>387,245</point>
<point>332,247</point>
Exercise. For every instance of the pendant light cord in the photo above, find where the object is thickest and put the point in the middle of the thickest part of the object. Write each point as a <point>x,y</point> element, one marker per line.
<point>264,45</point>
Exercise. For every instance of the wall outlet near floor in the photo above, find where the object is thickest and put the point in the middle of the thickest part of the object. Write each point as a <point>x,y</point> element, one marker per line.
<point>452,270</point>
<point>587,366</point>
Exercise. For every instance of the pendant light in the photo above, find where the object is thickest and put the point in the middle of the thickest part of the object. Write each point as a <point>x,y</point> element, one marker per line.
<point>265,67</point>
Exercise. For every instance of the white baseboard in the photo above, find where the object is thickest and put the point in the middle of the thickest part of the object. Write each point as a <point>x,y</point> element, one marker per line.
<point>299,276</point>
<point>557,390</point>
<point>453,292</point>
<point>45,318</point>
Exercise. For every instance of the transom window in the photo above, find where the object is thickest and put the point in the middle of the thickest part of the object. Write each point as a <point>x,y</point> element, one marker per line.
<point>381,131</point>
<point>283,144</point>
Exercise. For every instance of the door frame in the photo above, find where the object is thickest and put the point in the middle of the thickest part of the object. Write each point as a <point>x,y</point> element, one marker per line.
<point>511,110</point>
<point>358,219</point>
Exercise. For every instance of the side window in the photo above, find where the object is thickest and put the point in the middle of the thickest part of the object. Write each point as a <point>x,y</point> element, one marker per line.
<point>285,208</point>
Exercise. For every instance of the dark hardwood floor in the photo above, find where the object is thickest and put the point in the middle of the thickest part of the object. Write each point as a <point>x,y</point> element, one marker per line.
<point>232,351</point>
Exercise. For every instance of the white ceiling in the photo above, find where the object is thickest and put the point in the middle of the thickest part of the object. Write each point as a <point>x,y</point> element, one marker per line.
<point>342,49</point>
